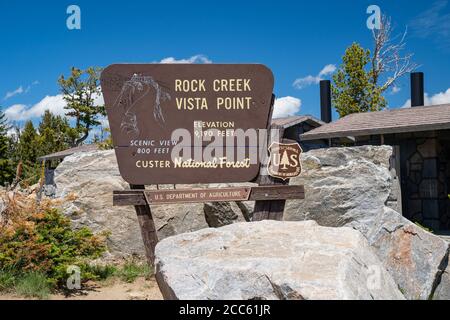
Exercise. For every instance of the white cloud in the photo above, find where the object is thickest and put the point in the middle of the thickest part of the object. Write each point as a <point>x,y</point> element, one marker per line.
<point>286,106</point>
<point>20,90</point>
<point>11,132</point>
<point>407,104</point>
<point>434,23</point>
<point>300,83</point>
<point>98,99</point>
<point>13,93</point>
<point>436,99</point>
<point>55,104</point>
<point>328,69</point>
<point>104,122</point>
<point>395,89</point>
<point>15,112</point>
<point>21,112</point>
<point>439,98</point>
<point>199,58</point>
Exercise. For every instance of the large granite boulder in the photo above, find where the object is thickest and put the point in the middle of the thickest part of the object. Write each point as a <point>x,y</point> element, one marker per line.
<point>89,178</point>
<point>272,260</point>
<point>353,187</point>
<point>443,290</point>
<point>413,256</point>
<point>345,186</point>
<point>349,187</point>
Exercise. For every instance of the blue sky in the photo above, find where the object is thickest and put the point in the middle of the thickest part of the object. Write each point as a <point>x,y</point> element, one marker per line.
<point>295,39</point>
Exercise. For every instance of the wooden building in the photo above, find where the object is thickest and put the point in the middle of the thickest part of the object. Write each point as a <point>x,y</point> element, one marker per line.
<point>51,161</point>
<point>295,126</point>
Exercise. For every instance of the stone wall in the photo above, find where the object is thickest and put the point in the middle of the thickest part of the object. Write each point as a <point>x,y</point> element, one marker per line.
<point>445,220</point>
<point>425,182</point>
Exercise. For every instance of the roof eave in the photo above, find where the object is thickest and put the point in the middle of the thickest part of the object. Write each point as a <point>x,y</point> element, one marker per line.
<point>307,118</point>
<point>367,132</point>
<point>50,157</point>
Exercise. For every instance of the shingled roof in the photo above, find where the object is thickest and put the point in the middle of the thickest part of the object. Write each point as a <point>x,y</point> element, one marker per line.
<point>68,152</point>
<point>384,122</point>
<point>293,120</point>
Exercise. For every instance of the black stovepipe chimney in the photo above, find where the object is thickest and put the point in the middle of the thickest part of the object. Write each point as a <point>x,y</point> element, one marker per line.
<point>417,89</point>
<point>325,101</point>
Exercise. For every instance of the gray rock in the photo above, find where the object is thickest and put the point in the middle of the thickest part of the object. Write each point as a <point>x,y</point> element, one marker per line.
<point>443,290</point>
<point>351,187</point>
<point>219,214</point>
<point>272,260</point>
<point>179,218</point>
<point>414,257</point>
<point>49,190</point>
<point>89,178</point>
<point>2,205</point>
<point>343,186</point>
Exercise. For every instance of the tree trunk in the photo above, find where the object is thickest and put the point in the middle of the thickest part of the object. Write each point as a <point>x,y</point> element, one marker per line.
<point>84,137</point>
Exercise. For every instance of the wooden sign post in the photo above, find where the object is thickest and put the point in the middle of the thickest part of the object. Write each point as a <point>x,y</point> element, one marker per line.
<point>197,124</point>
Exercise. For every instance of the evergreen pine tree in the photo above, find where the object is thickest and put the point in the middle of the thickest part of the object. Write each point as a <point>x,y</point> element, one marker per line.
<point>79,91</point>
<point>354,89</point>
<point>28,144</point>
<point>55,134</point>
<point>6,166</point>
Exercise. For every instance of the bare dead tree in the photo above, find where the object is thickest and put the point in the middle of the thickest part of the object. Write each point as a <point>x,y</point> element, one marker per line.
<point>388,58</point>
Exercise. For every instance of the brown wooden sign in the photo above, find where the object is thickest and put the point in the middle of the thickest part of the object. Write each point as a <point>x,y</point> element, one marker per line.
<point>189,124</point>
<point>197,195</point>
<point>256,193</point>
<point>284,160</point>
<point>165,118</point>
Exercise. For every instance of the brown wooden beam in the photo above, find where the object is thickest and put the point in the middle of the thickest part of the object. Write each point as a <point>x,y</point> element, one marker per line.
<point>257,193</point>
<point>270,210</point>
<point>147,226</point>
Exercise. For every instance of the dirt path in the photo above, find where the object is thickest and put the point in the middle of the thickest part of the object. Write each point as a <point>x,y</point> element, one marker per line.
<point>141,289</point>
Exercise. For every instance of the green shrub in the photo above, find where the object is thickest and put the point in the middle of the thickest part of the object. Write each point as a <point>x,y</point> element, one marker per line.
<point>44,242</point>
<point>7,280</point>
<point>102,272</point>
<point>131,270</point>
<point>34,285</point>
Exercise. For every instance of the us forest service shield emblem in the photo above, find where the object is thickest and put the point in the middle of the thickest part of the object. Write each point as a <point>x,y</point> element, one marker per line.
<point>284,160</point>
